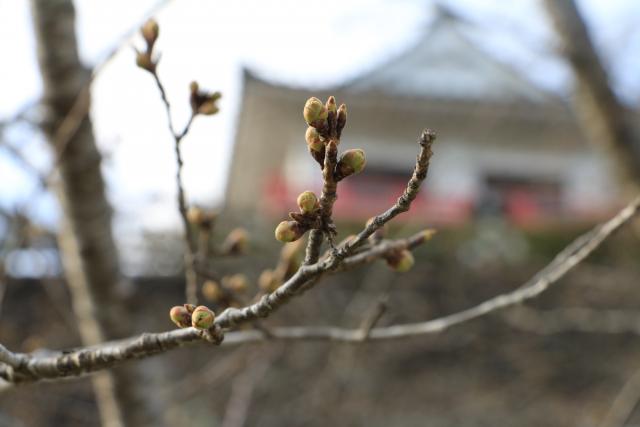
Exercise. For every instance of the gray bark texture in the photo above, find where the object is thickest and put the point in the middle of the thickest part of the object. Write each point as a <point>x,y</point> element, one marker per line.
<point>604,119</point>
<point>85,239</point>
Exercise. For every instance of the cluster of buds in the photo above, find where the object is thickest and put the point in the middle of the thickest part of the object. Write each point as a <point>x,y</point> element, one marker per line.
<point>326,122</point>
<point>203,102</point>
<point>146,59</point>
<point>186,315</point>
<point>300,222</point>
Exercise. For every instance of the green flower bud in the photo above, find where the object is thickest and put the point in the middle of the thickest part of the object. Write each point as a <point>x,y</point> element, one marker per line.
<point>180,316</point>
<point>202,317</point>
<point>289,231</point>
<point>401,261</point>
<point>307,202</point>
<point>314,142</point>
<point>351,162</point>
<point>331,105</point>
<point>314,111</point>
<point>150,31</point>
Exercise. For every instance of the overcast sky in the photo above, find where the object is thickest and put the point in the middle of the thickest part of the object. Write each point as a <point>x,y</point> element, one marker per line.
<point>210,41</point>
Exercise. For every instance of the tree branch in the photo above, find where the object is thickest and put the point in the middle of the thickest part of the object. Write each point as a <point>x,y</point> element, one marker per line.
<point>24,367</point>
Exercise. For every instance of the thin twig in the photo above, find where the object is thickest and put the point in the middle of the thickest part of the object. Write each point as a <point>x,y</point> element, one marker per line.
<point>191,275</point>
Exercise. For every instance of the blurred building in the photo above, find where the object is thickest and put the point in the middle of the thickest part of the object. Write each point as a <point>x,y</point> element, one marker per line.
<point>505,146</point>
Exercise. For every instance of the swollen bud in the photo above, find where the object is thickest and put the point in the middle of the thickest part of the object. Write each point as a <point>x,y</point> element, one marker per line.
<point>289,231</point>
<point>180,316</point>
<point>313,140</point>
<point>307,202</point>
<point>150,31</point>
<point>351,162</point>
<point>202,317</point>
<point>314,112</point>
<point>401,261</point>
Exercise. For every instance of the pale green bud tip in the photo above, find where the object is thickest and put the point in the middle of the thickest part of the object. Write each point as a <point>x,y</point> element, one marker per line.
<point>180,316</point>
<point>331,104</point>
<point>288,231</point>
<point>402,261</point>
<point>307,202</point>
<point>202,317</point>
<point>313,139</point>
<point>428,234</point>
<point>352,162</point>
<point>314,111</point>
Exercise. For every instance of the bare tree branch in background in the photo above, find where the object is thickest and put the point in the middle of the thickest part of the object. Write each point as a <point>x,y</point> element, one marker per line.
<point>85,239</point>
<point>624,404</point>
<point>602,116</point>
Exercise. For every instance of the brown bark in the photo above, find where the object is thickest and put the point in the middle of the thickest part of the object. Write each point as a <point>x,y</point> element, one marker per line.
<point>602,116</point>
<point>85,239</point>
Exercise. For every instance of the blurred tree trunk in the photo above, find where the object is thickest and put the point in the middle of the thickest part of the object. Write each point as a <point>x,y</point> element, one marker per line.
<point>85,239</point>
<point>604,119</point>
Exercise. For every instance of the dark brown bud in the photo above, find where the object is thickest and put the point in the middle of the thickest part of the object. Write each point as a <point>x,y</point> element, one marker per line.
<point>203,102</point>
<point>342,117</point>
